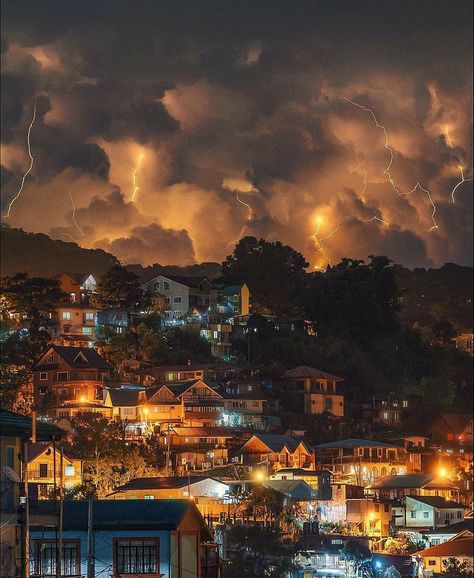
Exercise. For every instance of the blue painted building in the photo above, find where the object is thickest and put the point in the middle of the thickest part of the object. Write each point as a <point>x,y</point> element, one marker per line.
<point>130,539</point>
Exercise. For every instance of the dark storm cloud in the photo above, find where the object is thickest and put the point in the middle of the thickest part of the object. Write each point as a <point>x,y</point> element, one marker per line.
<point>243,91</point>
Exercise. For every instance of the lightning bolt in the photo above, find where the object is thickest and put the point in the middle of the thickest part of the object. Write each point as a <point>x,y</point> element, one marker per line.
<point>460,167</point>
<point>74,214</point>
<point>134,177</point>
<point>362,196</point>
<point>387,169</point>
<point>28,141</point>
<point>319,241</point>
<point>249,218</point>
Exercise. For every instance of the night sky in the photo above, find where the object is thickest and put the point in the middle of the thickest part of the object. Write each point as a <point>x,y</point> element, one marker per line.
<point>164,131</point>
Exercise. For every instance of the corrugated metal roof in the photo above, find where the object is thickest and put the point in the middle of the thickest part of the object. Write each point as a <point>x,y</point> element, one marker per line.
<point>16,425</point>
<point>355,443</point>
<point>303,371</point>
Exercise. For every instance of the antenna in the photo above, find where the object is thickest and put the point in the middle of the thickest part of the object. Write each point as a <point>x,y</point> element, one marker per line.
<point>11,474</point>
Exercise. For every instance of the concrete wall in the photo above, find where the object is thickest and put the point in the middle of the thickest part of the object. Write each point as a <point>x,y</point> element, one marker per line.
<point>172,291</point>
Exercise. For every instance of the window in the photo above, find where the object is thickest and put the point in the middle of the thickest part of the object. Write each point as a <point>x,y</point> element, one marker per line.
<point>43,470</point>
<point>156,286</point>
<point>426,515</point>
<point>87,331</point>
<point>216,335</point>
<point>149,497</point>
<point>166,285</point>
<point>177,299</point>
<point>69,470</point>
<point>89,316</point>
<point>66,316</point>
<point>43,375</point>
<point>328,403</point>
<point>431,562</point>
<point>45,558</point>
<point>449,437</point>
<point>459,514</point>
<point>62,376</point>
<point>413,514</point>
<point>405,403</point>
<point>136,556</point>
<point>50,359</point>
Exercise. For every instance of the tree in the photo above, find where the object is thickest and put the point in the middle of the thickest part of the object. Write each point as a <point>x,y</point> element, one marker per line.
<point>392,572</point>
<point>453,568</point>
<point>37,298</point>
<point>355,554</point>
<point>119,287</point>
<point>401,544</point>
<point>275,274</point>
<point>108,462</point>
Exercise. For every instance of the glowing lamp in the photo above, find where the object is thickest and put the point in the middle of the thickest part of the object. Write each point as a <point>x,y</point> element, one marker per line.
<point>146,411</point>
<point>259,476</point>
<point>83,399</point>
<point>442,472</point>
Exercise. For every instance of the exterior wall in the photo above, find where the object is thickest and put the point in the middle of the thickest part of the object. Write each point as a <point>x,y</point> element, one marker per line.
<point>10,450</point>
<point>103,548</point>
<point>72,471</point>
<point>374,518</point>
<point>218,335</point>
<point>71,287</point>
<point>316,403</point>
<point>204,488</point>
<point>256,452</point>
<point>244,406</point>
<point>244,300</point>
<point>71,384</point>
<point>436,563</point>
<point>419,515</point>
<point>164,412</point>
<point>76,320</point>
<point>171,291</point>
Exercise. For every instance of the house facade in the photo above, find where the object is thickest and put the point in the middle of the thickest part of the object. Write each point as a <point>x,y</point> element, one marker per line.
<point>271,452</point>
<point>174,293</point>
<point>161,538</point>
<point>434,559</point>
<point>360,461</point>
<point>430,511</point>
<point>79,286</point>
<point>47,467</point>
<point>73,375</point>
<point>398,486</point>
<point>233,300</point>
<point>76,324</point>
<point>320,393</point>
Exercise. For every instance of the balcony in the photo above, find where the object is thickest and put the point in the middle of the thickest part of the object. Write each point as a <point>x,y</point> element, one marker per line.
<point>81,376</point>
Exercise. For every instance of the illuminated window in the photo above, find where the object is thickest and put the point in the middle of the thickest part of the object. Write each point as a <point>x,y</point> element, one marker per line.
<point>89,316</point>
<point>66,316</point>
<point>449,437</point>
<point>69,470</point>
<point>45,558</point>
<point>87,330</point>
<point>136,556</point>
<point>50,359</point>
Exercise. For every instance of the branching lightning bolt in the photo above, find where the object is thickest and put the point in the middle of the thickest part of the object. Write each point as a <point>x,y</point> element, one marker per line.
<point>319,241</point>
<point>391,180</point>
<point>134,177</point>
<point>249,218</point>
<point>28,141</point>
<point>460,167</point>
<point>74,214</point>
<point>362,196</point>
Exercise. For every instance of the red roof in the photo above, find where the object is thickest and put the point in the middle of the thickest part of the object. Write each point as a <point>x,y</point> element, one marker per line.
<point>453,547</point>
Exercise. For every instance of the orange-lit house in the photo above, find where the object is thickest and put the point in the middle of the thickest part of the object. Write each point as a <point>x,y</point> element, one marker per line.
<point>77,285</point>
<point>74,376</point>
<point>76,324</point>
<point>273,452</point>
<point>320,390</point>
<point>44,468</point>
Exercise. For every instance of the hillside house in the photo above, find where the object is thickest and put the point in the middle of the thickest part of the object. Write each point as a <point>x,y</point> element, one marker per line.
<point>73,375</point>
<point>320,393</point>
<point>271,452</point>
<point>398,486</point>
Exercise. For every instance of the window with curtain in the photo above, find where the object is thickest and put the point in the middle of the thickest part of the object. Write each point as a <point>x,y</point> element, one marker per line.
<point>136,556</point>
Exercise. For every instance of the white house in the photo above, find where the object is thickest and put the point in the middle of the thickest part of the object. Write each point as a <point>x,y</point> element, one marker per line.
<point>175,294</point>
<point>431,512</point>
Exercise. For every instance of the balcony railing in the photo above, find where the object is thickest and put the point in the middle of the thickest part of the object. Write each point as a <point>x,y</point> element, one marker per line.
<point>81,376</point>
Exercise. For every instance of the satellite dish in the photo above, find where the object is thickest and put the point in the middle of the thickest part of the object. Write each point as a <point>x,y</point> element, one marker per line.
<point>11,474</point>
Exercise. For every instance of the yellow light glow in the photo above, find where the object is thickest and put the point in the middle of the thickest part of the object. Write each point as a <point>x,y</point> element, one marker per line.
<point>83,399</point>
<point>259,476</point>
<point>372,516</point>
<point>146,411</point>
<point>442,472</point>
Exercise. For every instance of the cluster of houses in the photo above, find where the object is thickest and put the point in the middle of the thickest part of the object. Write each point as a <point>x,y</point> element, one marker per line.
<point>218,426</point>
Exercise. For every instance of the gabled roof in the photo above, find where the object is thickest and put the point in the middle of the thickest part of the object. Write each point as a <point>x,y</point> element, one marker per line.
<point>128,514</point>
<point>436,502</point>
<point>77,277</point>
<point>78,357</point>
<point>276,443</point>
<point>298,489</point>
<point>180,387</point>
<point>35,450</point>
<point>230,289</point>
<point>454,547</point>
<point>355,443</point>
<point>124,397</point>
<point>16,425</point>
<point>163,483</point>
<point>456,421</point>
<point>152,391</point>
<point>411,481</point>
<point>186,281</point>
<point>304,371</point>
<point>301,472</point>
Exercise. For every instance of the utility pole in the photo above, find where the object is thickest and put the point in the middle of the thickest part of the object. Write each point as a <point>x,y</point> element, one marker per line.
<point>61,508</point>
<point>90,542</point>
<point>26,530</point>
